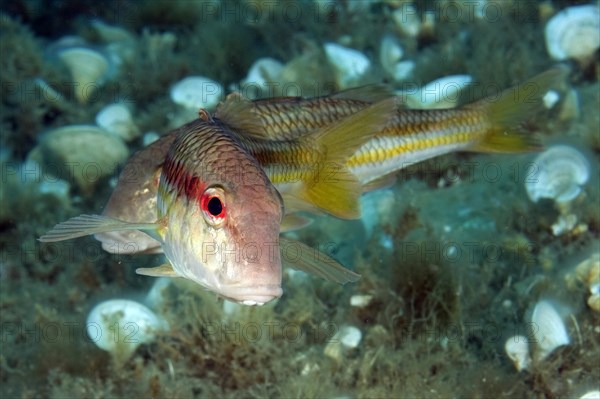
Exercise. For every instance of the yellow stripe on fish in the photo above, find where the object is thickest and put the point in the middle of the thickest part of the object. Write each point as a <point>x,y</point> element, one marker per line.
<point>416,135</point>
<point>489,125</point>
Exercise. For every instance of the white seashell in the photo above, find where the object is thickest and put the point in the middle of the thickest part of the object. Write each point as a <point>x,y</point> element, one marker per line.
<point>441,93</point>
<point>594,302</point>
<point>119,326</point>
<point>116,119</point>
<point>154,298</point>
<point>149,138</point>
<point>517,349</point>
<point>196,92</point>
<point>87,67</point>
<point>159,44</point>
<point>591,395</point>
<point>350,65</point>
<point>550,99</point>
<point>56,187</point>
<point>350,337</point>
<point>81,154</point>
<point>110,33</point>
<point>360,300</point>
<point>574,33</point>
<point>570,108</point>
<point>403,70</point>
<point>263,70</point>
<point>588,272</point>
<point>346,339</point>
<point>48,92</point>
<point>548,329</point>
<point>407,20</point>
<point>558,173</point>
<point>390,53</point>
<point>564,224</point>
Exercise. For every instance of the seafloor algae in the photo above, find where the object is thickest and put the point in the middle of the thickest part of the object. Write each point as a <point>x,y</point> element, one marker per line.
<point>452,271</point>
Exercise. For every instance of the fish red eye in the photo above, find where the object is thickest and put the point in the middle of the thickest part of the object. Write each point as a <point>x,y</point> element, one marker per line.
<point>212,205</point>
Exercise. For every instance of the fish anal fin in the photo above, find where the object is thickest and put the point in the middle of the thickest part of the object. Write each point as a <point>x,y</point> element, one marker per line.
<point>164,270</point>
<point>312,261</point>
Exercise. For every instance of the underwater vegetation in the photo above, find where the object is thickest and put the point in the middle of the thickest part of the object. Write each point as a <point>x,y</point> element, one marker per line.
<point>480,272</point>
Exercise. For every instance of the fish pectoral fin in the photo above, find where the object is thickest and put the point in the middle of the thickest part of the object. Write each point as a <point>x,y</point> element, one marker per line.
<point>333,188</point>
<point>164,270</point>
<point>335,191</point>
<point>84,225</point>
<point>313,261</point>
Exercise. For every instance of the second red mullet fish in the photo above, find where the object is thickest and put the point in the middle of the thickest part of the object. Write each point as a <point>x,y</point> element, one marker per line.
<point>213,194</point>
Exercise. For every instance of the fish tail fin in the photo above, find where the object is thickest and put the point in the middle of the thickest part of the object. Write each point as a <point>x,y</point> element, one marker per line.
<point>507,111</point>
<point>84,225</point>
<point>334,188</point>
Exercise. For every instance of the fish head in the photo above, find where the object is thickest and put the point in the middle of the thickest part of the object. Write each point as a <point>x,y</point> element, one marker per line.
<point>223,225</point>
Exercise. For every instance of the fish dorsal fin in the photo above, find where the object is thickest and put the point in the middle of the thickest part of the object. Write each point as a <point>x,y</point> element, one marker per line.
<point>238,113</point>
<point>164,270</point>
<point>370,93</point>
<point>333,188</point>
<point>315,262</point>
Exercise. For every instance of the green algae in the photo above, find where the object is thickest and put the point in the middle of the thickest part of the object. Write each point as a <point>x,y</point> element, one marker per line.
<point>470,253</point>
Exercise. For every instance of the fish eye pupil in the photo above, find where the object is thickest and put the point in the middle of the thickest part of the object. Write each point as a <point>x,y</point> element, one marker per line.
<point>214,206</point>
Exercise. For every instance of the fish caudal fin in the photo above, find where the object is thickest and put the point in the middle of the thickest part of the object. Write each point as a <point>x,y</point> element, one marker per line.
<point>510,109</point>
<point>312,261</point>
<point>84,225</point>
<point>333,188</point>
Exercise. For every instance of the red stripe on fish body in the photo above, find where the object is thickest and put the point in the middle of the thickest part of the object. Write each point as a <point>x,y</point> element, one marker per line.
<point>183,181</point>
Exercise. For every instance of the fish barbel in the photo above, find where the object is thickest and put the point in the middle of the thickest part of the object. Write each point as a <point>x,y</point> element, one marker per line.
<point>213,211</point>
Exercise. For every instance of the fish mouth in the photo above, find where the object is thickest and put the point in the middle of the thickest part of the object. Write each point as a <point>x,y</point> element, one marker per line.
<point>252,295</point>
